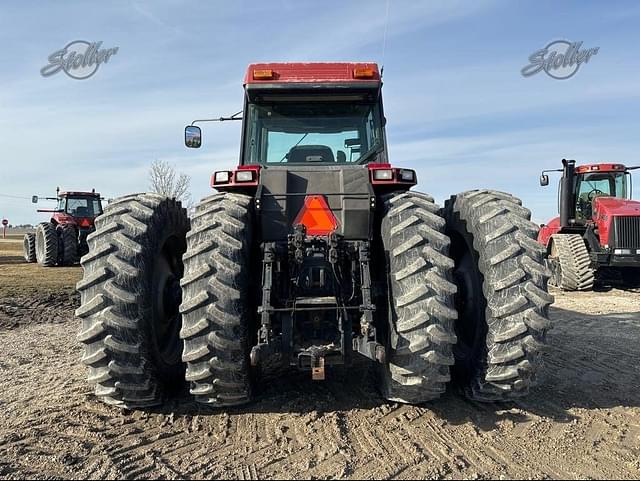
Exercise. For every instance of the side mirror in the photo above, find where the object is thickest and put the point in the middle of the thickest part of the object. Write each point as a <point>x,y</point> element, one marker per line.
<point>34,199</point>
<point>192,137</point>
<point>544,180</point>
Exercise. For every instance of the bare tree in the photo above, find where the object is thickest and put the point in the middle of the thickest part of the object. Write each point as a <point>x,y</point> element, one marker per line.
<point>164,180</point>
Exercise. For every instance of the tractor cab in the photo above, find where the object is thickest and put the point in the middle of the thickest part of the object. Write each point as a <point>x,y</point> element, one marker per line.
<point>309,114</point>
<point>80,204</point>
<point>290,126</point>
<point>593,181</point>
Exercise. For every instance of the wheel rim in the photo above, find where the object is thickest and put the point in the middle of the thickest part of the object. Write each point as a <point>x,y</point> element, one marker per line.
<point>470,303</point>
<point>167,296</point>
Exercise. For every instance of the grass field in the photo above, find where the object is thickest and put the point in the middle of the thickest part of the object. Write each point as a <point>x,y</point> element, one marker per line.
<point>17,278</point>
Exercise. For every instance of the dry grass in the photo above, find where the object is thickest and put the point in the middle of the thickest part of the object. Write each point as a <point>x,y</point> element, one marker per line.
<point>17,278</point>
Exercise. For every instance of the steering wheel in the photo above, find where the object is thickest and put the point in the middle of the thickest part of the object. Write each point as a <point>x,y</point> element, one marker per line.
<point>592,195</point>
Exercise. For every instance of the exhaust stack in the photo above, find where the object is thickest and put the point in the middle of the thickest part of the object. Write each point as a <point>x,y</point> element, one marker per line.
<point>567,205</point>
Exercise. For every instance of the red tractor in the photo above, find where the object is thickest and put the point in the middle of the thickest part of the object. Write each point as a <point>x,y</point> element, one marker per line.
<point>597,235</point>
<point>63,240</point>
<point>313,254</point>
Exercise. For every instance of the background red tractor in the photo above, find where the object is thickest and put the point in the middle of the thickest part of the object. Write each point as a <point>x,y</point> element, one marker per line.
<point>63,240</point>
<point>597,235</point>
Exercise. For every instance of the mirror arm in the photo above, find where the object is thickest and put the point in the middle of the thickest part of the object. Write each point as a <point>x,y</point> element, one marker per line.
<point>219,119</point>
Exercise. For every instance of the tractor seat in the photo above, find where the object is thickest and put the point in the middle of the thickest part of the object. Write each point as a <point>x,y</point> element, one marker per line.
<point>81,212</point>
<point>301,154</point>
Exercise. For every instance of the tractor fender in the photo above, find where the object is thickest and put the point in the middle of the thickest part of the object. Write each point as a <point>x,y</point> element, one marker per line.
<point>61,218</point>
<point>547,231</point>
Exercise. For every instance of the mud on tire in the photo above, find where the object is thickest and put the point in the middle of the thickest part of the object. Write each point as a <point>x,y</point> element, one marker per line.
<point>421,324</point>
<point>130,295</point>
<point>502,298</point>
<point>29,248</point>
<point>69,242</point>
<point>46,244</point>
<point>216,311</point>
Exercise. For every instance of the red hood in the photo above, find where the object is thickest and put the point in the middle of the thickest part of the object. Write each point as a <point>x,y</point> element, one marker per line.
<point>613,206</point>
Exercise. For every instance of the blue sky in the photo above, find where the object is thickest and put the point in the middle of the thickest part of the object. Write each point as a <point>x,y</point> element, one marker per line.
<point>458,109</point>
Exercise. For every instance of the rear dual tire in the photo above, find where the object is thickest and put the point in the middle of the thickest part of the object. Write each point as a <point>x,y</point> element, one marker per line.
<point>47,247</point>
<point>52,245</point>
<point>216,312</point>
<point>29,248</point>
<point>488,272</point>
<point>130,296</point>
<point>420,289</point>
<point>68,246</point>
<point>502,299</point>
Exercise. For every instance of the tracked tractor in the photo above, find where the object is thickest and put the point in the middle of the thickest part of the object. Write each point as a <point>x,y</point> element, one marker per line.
<point>313,255</point>
<point>63,239</point>
<point>597,235</point>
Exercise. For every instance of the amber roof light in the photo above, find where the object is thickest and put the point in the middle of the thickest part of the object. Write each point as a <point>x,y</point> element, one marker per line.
<point>363,73</point>
<point>266,74</point>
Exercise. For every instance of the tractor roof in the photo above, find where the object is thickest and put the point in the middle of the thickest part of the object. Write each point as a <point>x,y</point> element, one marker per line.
<point>79,194</point>
<point>360,74</point>
<point>583,169</point>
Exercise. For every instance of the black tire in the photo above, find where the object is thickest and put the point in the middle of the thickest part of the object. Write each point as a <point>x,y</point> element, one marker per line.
<point>29,247</point>
<point>502,298</point>
<point>130,295</point>
<point>421,313</point>
<point>216,312</point>
<point>570,263</point>
<point>46,244</point>
<point>69,243</point>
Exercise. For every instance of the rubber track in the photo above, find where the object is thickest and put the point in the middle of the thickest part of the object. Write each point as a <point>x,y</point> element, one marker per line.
<point>46,244</point>
<point>515,287</point>
<point>115,296</point>
<point>575,263</point>
<point>215,307</point>
<point>421,292</point>
<point>29,247</point>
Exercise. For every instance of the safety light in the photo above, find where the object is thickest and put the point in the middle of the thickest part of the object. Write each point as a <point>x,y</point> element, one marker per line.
<point>316,216</point>
<point>363,73</point>
<point>623,252</point>
<point>407,175</point>
<point>383,174</point>
<point>266,74</point>
<point>222,177</point>
<point>244,176</point>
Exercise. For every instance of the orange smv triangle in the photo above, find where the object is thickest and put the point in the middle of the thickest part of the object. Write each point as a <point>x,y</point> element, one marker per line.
<point>316,216</point>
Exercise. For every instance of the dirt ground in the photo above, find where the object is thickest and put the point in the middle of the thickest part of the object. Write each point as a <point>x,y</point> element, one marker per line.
<point>583,422</point>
